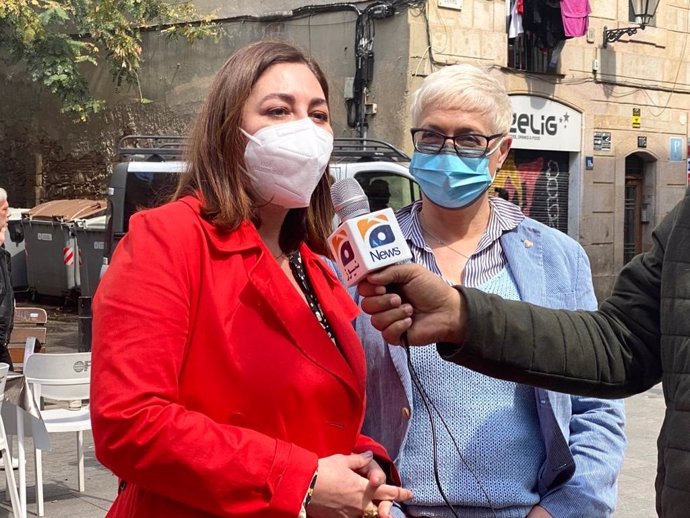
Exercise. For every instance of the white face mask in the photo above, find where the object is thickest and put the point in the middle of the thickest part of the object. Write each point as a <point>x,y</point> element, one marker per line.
<point>286,161</point>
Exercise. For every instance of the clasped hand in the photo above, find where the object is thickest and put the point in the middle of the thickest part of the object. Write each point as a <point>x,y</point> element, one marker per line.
<point>348,484</point>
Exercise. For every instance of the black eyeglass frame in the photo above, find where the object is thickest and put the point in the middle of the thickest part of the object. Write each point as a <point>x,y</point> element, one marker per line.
<point>460,151</point>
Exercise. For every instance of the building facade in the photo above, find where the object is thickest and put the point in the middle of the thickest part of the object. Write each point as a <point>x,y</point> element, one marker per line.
<point>600,131</point>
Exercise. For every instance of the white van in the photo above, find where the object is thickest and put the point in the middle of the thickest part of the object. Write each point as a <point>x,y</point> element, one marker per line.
<point>148,176</point>
<point>381,170</point>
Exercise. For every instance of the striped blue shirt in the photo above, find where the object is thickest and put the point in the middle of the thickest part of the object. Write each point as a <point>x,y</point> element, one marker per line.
<point>486,261</point>
<point>485,415</point>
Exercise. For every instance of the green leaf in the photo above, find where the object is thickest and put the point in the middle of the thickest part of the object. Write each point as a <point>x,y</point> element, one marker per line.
<point>52,39</point>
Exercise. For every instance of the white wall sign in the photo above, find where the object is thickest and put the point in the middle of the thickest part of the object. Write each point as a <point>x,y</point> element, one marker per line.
<point>540,123</point>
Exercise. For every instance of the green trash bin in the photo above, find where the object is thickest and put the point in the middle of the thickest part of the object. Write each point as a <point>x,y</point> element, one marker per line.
<point>90,235</point>
<point>52,261</point>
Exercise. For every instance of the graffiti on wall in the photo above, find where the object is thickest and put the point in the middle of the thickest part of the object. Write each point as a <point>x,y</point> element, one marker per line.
<point>537,181</point>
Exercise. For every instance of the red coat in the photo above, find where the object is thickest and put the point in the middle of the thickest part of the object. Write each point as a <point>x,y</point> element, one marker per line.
<point>214,388</point>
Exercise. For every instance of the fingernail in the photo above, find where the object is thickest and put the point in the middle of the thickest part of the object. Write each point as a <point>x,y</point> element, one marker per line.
<point>369,454</point>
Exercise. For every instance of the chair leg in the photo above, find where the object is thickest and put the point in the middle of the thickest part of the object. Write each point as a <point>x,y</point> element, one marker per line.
<point>12,490</point>
<point>80,459</point>
<point>9,447</point>
<point>38,463</point>
<point>11,483</point>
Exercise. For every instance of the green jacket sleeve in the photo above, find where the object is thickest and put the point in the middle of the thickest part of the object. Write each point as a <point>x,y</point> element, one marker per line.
<point>610,353</point>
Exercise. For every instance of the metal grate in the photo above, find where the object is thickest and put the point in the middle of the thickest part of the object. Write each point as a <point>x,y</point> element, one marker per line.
<point>172,147</point>
<point>366,150</point>
<point>151,147</point>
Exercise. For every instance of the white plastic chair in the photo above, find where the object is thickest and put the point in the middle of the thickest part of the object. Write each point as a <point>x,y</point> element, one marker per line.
<point>60,377</point>
<point>9,472</point>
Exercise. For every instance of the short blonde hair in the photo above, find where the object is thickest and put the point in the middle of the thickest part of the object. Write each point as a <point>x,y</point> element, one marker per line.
<point>3,194</point>
<point>466,87</point>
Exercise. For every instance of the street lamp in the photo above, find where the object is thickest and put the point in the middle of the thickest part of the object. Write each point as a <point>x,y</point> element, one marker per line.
<point>643,12</point>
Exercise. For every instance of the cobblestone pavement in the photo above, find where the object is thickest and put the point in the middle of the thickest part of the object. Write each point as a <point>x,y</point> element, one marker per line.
<point>62,499</point>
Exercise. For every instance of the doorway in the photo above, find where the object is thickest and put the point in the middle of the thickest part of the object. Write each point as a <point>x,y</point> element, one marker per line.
<point>634,187</point>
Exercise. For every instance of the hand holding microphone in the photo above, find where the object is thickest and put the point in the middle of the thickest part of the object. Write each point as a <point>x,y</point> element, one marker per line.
<point>424,308</point>
<point>423,305</point>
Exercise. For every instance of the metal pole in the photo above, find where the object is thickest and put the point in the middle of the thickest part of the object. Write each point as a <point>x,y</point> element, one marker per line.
<point>84,331</point>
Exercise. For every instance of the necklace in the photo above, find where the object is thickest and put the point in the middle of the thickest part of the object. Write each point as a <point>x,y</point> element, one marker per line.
<point>442,242</point>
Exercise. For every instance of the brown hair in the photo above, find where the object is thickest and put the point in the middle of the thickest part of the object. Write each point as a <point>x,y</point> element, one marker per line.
<point>216,170</point>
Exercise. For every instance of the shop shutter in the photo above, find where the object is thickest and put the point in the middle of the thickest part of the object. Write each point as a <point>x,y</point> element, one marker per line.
<point>538,182</point>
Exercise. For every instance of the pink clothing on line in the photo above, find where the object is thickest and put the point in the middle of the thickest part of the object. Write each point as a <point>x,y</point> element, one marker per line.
<point>575,15</point>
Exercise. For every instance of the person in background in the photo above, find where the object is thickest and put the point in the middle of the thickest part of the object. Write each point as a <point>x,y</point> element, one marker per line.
<point>565,451</point>
<point>379,194</point>
<point>227,378</point>
<point>6,291</point>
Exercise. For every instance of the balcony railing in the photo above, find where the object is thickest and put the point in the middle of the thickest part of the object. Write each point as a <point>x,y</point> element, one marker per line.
<point>525,55</point>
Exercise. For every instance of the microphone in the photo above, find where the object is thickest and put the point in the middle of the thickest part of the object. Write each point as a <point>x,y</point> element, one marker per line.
<point>365,241</point>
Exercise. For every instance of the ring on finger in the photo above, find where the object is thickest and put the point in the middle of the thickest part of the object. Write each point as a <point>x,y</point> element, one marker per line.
<point>371,512</point>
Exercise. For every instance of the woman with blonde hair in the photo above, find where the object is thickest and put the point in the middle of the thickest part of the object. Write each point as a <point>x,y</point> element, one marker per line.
<point>565,451</point>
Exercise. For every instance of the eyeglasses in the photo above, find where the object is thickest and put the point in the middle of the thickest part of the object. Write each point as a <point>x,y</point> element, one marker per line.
<point>470,145</point>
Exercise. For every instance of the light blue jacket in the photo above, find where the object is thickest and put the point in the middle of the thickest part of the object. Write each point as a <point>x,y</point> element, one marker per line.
<point>583,437</point>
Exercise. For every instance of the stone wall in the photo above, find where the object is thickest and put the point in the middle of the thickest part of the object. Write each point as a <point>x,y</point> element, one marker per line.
<point>44,155</point>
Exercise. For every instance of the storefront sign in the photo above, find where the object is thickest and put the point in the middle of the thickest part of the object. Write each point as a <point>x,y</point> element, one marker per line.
<point>636,118</point>
<point>602,141</point>
<point>540,123</point>
<point>675,149</point>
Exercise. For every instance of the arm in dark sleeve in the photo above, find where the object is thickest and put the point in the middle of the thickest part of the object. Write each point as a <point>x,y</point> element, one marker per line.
<point>6,299</point>
<point>613,352</point>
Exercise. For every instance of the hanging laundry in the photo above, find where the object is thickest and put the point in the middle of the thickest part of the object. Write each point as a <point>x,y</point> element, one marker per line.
<point>543,19</point>
<point>515,26</point>
<point>575,17</point>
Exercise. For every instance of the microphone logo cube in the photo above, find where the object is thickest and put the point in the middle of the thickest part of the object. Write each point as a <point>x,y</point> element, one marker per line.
<point>376,229</point>
<point>366,243</point>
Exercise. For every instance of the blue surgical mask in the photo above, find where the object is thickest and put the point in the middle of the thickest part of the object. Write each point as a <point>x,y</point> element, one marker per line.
<point>450,181</point>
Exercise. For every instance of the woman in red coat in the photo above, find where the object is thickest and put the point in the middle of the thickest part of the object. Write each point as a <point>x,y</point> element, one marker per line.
<point>227,378</point>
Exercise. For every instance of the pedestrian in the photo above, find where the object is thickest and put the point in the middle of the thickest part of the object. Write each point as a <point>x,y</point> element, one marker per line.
<point>227,378</point>
<point>6,290</point>
<point>567,451</point>
<point>640,336</point>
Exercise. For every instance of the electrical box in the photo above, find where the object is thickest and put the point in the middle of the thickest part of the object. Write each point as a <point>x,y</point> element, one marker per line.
<point>645,213</point>
<point>349,90</point>
<point>451,4</point>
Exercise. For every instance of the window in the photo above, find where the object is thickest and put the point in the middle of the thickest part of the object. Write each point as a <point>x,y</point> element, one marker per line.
<point>387,189</point>
<point>535,36</point>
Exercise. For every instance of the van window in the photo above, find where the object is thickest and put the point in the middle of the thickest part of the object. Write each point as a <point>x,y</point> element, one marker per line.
<point>385,189</point>
<point>145,190</point>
